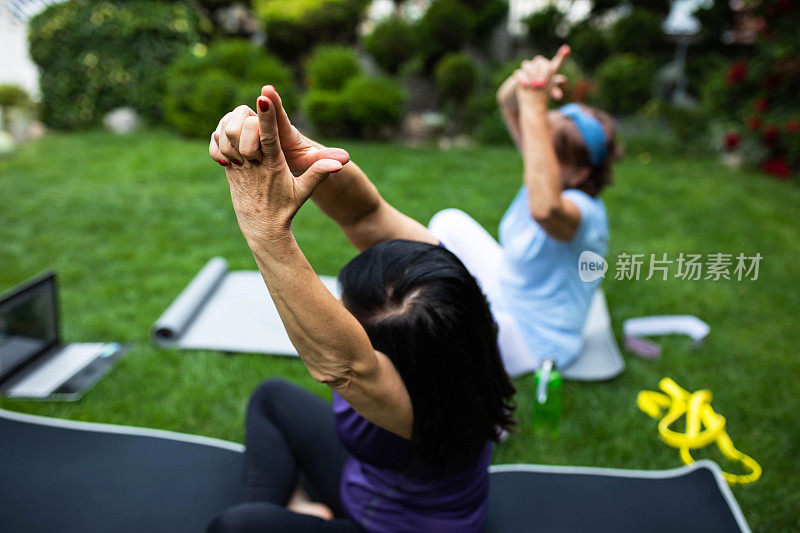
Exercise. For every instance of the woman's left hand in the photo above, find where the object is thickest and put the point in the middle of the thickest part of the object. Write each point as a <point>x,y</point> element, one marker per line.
<point>541,78</point>
<point>265,194</point>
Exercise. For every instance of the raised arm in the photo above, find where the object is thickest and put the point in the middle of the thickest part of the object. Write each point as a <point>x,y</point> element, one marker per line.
<point>557,215</point>
<point>348,197</point>
<point>266,195</point>
<point>509,105</point>
<point>509,108</point>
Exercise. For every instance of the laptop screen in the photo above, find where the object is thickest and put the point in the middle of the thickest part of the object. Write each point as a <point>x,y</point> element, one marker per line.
<point>28,324</point>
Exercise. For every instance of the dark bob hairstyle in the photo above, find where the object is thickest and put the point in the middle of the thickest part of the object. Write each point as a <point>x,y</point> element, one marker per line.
<point>422,308</point>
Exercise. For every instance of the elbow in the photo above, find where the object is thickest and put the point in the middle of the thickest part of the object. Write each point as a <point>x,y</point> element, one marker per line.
<point>336,380</point>
<point>545,213</point>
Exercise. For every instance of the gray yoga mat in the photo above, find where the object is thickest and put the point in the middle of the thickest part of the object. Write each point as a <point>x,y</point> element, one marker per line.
<point>69,476</point>
<point>231,311</point>
<point>226,310</point>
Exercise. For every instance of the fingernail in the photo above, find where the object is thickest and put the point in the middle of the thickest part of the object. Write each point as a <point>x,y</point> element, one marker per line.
<point>335,171</point>
<point>263,104</point>
<point>236,161</point>
<point>223,163</point>
<point>254,161</point>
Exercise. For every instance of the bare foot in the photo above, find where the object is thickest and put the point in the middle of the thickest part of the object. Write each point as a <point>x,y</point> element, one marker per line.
<point>301,503</point>
<point>311,508</point>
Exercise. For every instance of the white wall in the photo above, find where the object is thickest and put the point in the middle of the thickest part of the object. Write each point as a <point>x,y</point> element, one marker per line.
<point>15,63</point>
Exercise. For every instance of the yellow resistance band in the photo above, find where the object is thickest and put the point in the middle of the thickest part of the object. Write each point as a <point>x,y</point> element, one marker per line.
<point>703,426</point>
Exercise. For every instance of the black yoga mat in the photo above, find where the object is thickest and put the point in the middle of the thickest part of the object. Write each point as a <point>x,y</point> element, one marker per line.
<point>65,476</point>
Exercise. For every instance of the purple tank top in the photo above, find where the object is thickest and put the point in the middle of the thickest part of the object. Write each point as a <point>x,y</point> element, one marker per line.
<point>387,487</point>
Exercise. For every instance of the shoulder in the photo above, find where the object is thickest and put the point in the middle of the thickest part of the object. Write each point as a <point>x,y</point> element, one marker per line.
<point>594,220</point>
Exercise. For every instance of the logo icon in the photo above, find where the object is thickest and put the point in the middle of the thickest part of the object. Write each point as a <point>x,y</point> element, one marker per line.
<point>591,266</point>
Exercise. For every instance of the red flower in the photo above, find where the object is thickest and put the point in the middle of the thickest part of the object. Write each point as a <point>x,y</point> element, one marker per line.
<point>793,126</point>
<point>777,166</point>
<point>754,123</point>
<point>770,135</point>
<point>737,73</point>
<point>761,105</point>
<point>732,140</point>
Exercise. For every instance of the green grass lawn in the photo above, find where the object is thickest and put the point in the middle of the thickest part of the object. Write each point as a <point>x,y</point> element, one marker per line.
<point>127,222</point>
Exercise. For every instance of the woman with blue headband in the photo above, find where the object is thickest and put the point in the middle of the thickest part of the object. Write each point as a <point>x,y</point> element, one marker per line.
<point>531,277</point>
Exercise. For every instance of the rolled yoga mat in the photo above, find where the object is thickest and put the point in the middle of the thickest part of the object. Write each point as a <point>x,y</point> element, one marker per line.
<point>233,312</point>
<point>230,311</point>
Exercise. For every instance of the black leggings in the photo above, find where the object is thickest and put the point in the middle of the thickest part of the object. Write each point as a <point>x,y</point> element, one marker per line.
<point>290,436</point>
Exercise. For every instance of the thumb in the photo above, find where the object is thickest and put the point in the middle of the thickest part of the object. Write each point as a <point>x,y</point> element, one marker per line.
<point>337,154</point>
<point>317,173</point>
<point>268,128</point>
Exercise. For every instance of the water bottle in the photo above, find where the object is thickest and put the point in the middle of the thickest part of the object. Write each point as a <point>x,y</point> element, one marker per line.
<point>547,398</point>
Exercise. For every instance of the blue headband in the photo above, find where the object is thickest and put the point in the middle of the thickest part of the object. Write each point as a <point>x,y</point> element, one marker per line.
<point>591,131</point>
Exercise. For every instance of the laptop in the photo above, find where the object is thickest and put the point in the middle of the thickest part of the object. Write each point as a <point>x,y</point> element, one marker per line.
<point>34,364</point>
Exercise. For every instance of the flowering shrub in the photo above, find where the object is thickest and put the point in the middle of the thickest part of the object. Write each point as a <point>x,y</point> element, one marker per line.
<point>759,94</point>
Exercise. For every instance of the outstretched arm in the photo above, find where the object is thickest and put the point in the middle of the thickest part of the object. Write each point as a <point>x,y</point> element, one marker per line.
<point>266,195</point>
<point>348,197</point>
<point>507,100</point>
<point>509,106</point>
<point>557,215</point>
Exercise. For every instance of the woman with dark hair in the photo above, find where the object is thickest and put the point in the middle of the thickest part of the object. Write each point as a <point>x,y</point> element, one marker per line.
<point>410,353</point>
<point>531,277</point>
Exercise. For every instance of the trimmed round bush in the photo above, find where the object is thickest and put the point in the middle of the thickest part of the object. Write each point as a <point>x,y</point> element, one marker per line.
<point>624,83</point>
<point>489,14</point>
<point>456,76</point>
<point>374,103</point>
<point>96,56</point>
<point>330,67</point>
<point>589,45</point>
<point>542,29</point>
<point>203,84</point>
<point>391,43</point>
<point>446,26</point>
<point>328,111</point>
<point>295,26</point>
<point>12,95</point>
<point>484,121</point>
<point>639,32</point>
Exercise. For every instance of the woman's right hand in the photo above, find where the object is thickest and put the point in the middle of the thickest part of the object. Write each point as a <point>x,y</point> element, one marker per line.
<point>265,193</point>
<point>233,142</point>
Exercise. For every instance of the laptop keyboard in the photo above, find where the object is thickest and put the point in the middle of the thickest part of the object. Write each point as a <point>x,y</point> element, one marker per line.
<point>60,368</point>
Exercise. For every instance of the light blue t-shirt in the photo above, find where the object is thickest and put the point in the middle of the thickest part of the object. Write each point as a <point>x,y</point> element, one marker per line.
<point>539,276</point>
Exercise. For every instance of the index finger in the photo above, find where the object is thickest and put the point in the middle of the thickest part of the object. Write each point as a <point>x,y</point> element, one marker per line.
<point>285,130</point>
<point>268,129</point>
<point>559,58</point>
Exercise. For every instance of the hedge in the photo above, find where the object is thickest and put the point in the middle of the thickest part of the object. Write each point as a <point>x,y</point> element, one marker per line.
<point>203,85</point>
<point>295,26</point>
<point>95,56</point>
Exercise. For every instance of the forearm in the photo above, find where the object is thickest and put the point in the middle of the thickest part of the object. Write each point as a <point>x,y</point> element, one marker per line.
<point>507,101</point>
<point>351,200</point>
<point>329,340</point>
<point>347,196</point>
<point>542,172</point>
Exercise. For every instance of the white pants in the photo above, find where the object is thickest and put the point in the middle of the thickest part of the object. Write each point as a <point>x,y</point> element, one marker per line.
<point>482,256</point>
